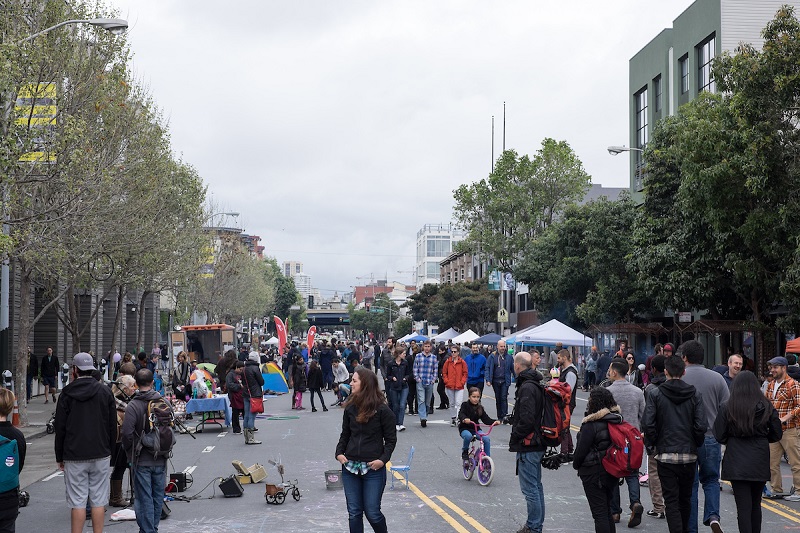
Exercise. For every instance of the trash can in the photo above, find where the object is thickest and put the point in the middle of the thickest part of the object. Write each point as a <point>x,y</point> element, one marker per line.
<point>333,479</point>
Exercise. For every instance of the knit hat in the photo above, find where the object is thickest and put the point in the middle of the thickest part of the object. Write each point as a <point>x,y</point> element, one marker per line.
<point>255,357</point>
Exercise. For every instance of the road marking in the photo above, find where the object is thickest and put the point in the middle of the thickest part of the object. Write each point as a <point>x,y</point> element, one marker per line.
<point>471,521</point>
<point>207,449</point>
<point>777,508</point>
<point>189,469</point>
<point>54,475</point>
<point>222,434</point>
<point>430,503</point>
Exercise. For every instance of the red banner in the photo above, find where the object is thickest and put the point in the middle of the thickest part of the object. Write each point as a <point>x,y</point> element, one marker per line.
<point>312,332</point>
<point>281,334</point>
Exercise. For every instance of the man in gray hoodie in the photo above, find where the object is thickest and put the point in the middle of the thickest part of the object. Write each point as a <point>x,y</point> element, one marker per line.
<point>630,399</point>
<point>149,472</point>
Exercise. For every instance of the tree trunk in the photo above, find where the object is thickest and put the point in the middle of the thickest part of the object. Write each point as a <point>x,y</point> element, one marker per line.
<point>117,318</point>
<point>73,310</point>
<point>142,317</point>
<point>25,326</point>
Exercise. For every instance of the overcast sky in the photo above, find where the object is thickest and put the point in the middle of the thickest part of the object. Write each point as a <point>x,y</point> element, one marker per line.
<point>338,128</point>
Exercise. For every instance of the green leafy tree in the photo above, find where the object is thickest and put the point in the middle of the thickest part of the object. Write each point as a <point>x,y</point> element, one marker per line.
<point>419,303</point>
<point>403,326</point>
<point>520,198</point>
<point>464,305</point>
<point>375,320</point>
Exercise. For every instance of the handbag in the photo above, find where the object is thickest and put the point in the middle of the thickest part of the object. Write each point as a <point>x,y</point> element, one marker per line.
<point>256,404</point>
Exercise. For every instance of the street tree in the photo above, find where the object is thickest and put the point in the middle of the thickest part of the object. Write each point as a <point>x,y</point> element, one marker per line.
<point>464,305</point>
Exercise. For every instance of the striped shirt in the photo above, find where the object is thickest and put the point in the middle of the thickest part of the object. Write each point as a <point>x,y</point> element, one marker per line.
<point>425,368</point>
<point>786,400</point>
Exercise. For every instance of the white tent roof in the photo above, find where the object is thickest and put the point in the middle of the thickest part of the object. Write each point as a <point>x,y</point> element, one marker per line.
<point>467,336</point>
<point>404,337</point>
<point>552,332</point>
<point>273,340</point>
<point>513,337</point>
<point>447,335</point>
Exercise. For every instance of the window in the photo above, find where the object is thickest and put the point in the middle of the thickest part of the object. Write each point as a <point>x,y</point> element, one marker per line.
<point>438,246</point>
<point>705,53</point>
<point>657,94</point>
<point>684,67</point>
<point>432,270</point>
<point>297,268</point>
<point>640,100</point>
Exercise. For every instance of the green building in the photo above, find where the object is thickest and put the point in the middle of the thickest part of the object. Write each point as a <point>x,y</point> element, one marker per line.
<point>675,66</point>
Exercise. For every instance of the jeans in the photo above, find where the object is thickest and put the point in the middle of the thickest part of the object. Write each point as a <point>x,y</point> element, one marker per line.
<point>633,494</point>
<point>467,436</point>
<point>249,417</point>
<point>363,495</point>
<point>424,395</point>
<point>28,385</point>
<point>479,385</point>
<point>676,482</point>
<point>599,488</point>
<point>318,392</point>
<point>397,401</point>
<point>501,399</point>
<point>529,465</point>
<point>748,505</point>
<point>442,394</point>
<point>709,456</point>
<point>455,397</point>
<point>148,490</point>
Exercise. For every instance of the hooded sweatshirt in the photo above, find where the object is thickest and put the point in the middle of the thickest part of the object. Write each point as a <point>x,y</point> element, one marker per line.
<point>674,420</point>
<point>86,421</point>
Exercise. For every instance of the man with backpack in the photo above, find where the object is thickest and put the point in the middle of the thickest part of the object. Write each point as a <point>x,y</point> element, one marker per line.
<point>674,426</point>
<point>86,430</point>
<point>526,439</point>
<point>148,437</point>
<point>630,399</point>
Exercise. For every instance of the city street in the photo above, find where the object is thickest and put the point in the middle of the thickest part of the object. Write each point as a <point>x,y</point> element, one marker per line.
<point>439,498</point>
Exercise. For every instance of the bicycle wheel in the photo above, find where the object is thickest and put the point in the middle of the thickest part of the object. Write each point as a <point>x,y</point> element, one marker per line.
<point>296,494</point>
<point>468,466</point>
<point>485,470</point>
<point>280,498</point>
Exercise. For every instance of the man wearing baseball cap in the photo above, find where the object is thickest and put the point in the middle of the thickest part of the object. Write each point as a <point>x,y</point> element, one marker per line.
<point>86,430</point>
<point>784,393</point>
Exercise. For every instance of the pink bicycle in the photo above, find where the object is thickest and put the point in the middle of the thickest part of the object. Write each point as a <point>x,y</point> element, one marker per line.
<point>477,458</point>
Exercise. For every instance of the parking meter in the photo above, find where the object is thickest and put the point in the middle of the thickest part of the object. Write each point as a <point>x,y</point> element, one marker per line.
<point>64,375</point>
<point>103,364</point>
<point>8,382</point>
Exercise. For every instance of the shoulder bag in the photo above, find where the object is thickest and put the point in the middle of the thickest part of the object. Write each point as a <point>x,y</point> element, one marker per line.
<point>256,404</point>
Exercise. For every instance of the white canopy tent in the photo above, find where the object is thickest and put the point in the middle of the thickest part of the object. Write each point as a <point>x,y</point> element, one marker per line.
<point>552,332</point>
<point>404,337</point>
<point>273,340</point>
<point>511,339</point>
<point>467,336</point>
<point>445,336</point>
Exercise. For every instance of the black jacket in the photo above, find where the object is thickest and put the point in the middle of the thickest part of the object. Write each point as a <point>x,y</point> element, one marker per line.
<point>527,415</point>
<point>33,366</point>
<point>674,419</point>
<point>794,372</point>
<point>593,441</point>
<point>49,368</point>
<point>86,421</point>
<point>253,380</point>
<point>315,378</point>
<point>374,439</point>
<point>470,411</point>
<point>401,371</point>
<point>747,457</point>
<point>133,427</point>
<point>299,378</point>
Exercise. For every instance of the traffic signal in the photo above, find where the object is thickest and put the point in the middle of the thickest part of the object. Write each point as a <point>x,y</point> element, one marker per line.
<point>367,308</point>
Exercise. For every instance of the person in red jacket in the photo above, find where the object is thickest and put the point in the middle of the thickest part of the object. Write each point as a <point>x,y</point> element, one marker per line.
<point>454,374</point>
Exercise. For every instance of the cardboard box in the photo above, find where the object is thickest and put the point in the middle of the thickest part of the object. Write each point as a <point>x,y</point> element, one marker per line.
<point>254,474</point>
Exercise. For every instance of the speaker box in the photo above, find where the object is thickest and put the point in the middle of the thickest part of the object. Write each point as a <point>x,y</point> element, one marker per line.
<point>177,482</point>
<point>165,511</point>
<point>230,487</point>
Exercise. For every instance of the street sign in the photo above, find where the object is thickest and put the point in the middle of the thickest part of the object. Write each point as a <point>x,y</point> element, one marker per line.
<point>684,317</point>
<point>502,315</point>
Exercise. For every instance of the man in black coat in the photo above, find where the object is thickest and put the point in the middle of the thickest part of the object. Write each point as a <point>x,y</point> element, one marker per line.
<point>49,370</point>
<point>526,427</point>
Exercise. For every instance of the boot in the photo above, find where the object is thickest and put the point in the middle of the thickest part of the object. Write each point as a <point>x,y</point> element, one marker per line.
<point>116,499</point>
<point>252,439</point>
<point>246,433</point>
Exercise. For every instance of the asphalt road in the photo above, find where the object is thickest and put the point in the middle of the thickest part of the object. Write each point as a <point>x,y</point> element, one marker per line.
<point>439,498</point>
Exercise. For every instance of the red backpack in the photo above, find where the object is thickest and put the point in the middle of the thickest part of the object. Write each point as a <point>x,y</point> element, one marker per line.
<point>555,414</point>
<point>624,457</point>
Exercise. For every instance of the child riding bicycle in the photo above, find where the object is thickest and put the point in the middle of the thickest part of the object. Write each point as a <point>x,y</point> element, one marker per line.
<point>470,413</point>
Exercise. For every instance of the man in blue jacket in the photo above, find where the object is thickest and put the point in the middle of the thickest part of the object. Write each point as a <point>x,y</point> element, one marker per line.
<point>499,368</point>
<point>476,368</point>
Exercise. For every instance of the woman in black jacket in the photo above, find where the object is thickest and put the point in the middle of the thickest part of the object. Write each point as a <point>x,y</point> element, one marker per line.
<point>747,423</point>
<point>315,383</point>
<point>253,383</point>
<point>593,441</point>
<point>397,375</point>
<point>365,446</point>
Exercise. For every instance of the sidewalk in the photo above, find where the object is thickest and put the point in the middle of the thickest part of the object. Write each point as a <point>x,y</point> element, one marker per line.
<point>38,415</point>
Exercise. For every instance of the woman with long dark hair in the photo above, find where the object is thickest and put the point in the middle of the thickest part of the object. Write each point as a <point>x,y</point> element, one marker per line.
<point>746,424</point>
<point>365,446</point>
<point>593,441</point>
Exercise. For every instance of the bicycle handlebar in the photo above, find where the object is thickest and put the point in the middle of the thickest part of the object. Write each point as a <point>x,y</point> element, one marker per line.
<point>479,426</point>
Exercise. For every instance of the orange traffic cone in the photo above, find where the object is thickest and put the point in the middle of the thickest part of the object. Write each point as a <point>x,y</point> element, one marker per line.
<point>15,415</point>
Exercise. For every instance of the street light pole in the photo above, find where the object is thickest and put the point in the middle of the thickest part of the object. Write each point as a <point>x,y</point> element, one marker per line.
<point>115,26</point>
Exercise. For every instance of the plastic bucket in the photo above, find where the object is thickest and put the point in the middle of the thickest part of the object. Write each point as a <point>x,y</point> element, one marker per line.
<point>333,479</point>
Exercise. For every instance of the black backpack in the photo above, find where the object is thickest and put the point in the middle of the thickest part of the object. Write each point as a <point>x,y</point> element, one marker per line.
<point>158,434</point>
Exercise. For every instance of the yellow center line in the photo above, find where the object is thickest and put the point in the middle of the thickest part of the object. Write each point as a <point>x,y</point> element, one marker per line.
<point>776,508</point>
<point>430,503</point>
<point>471,521</point>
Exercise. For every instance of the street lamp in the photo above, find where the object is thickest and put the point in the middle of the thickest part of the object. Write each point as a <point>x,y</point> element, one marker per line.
<point>616,150</point>
<point>115,26</point>
<point>227,213</point>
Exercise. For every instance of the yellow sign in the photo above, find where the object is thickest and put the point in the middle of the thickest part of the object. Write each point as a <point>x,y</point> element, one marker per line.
<point>36,110</point>
<point>502,315</point>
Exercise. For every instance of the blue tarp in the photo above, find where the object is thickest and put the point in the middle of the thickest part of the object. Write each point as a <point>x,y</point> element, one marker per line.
<point>417,338</point>
<point>489,338</point>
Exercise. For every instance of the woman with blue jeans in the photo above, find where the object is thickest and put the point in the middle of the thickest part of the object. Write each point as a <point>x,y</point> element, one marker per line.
<point>253,388</point>
<point>398,373</point>
<point>471,412</point>
<point>365,446</point>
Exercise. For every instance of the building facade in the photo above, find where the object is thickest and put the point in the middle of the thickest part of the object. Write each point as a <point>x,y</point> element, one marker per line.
<point>434,244</point>
<point>675,67</point>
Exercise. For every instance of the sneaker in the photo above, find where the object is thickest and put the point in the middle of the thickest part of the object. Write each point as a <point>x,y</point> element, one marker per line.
<point>636,515</point>
<point>453,422</point>
<point>465,454</point>
<point>565,458</point>
<point>313,409</point>
<point>397,427</point>
<point>792,497</point>
<point>402,427</point>
<point>423,423</point>
<point>525,529</point>
<point>655,514</point>
<point>324,408</point>
<point>715,527</point>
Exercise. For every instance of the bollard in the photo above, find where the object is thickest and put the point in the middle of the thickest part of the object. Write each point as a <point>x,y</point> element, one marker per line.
<point>15,415</point>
